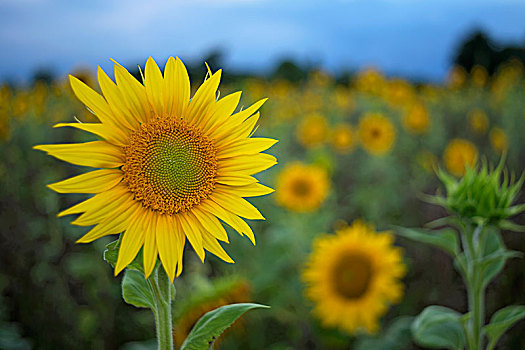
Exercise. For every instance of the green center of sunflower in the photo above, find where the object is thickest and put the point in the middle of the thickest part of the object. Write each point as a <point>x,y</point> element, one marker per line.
<point>170,166</point>
<point>352,275</point>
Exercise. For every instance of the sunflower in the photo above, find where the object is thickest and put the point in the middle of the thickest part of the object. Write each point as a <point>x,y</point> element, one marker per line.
<point>353,276</point>
<point>458,154</point>
<point>169,166</point>
<point>416,120</point>
<point>343,138</point>
<point>312,131</point>
<point>301,187</point>
<point>498,139</point>
<point>478,121</point>
<point>377,134</point>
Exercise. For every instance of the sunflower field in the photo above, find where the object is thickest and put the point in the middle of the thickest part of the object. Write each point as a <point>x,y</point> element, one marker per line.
<point>356,158</point>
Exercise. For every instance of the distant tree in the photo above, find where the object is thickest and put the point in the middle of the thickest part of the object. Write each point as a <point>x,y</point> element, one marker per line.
<point>479,49</point>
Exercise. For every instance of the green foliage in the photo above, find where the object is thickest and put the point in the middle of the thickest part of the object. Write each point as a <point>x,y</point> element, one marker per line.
<point>213,323</point>
<point>501,321</point>
<point>396,337</point>
<point>439,327</point>
<point>446,239</point>
<point>137,291</point>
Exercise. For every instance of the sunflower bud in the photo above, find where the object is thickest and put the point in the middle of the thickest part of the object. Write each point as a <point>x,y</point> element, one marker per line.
<point>483,195</point>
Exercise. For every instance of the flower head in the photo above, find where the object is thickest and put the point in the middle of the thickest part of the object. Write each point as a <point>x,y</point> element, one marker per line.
<point>301,187</point>
<point>353,276</point>
<point>377,134</point>
<point>169,166</point>
<point>460,154</point>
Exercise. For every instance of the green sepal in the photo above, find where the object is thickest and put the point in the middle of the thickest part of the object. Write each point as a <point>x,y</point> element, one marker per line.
<point>137,291</point>
<point>439,327</point>
<point>502,320</point>
<point>446,239</point>
<point>212,324</point>
<point>111,256</point>
<point>510,226</point>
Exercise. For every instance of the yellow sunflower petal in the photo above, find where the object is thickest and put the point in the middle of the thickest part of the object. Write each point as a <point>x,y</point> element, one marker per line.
<point>110,226</point>
<point>132,241</point>
<point>98,214</point>
<point>246,146</point>
<point>95,154</point>
<point>154,84</point>
<point>221,112</point>
<point>236,205</point>
<point>190,226</point>
<point>203,99</point>
<point>251,190</point>
<point>116,101</point>
<point>177,87</point>
<point>167,243</point>
<point>150,244</point>
<point>93,182</point>
<point>211,245</point>
<point>133,93</point>
<point>106,131</point>
<point>97,201</point>
<point>211,224</point>
<point>236,180</point>
<point>247,165</point>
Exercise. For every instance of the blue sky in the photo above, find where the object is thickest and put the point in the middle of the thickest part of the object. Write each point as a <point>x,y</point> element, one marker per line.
<point>413,38</point>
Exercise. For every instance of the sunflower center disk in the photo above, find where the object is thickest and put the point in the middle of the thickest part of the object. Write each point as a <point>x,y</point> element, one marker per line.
<point>170,166</point>
<point>352,276</point>
<point>301,188</point>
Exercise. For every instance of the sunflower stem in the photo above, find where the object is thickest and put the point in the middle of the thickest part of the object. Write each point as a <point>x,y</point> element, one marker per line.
<point>162,288</point>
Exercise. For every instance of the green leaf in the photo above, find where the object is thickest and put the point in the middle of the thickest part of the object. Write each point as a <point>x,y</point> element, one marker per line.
<point>111,256</point>
<point>397,336</point>
<point>211,325</point>
<point>502,320</point>
<point>137,291</point>
<point>446,239</point>
<point>438,327</point>
<point>494,255</point>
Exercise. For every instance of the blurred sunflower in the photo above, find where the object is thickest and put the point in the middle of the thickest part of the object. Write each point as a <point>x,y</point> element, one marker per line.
<point>169,166</point>
<point>312,131</point>
<point>376,133</point>
<point>353,276</point>
<point>458,154</point>
<point>478,121</point>
<point>498,139</point>
<point>479,75</point>
<point>343,138</point>
<point>301,187</point>
<point>416,120</point>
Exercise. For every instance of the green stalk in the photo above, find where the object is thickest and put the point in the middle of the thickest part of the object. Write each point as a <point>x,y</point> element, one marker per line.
<point>475,290</point>
<point>162,288</point>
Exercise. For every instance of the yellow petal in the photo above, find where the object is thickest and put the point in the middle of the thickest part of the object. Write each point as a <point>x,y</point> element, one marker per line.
<point>211,245</point>
<point>132,241</point>
<point>97,201</point>
<point>110,133</point>
<point>99,214</point>
<point>93,182</point>
<point>221,112</point>
<point>252,190</point>
<point>248,165</point>
<point>203,99</point>
<point>112,225</point>
<point>234,134</point>
<point>236,205</point>
<point>236,180</point>
<point>92,100</point>
<point>235,121</point>
<point>133,93</point>
<point>177,87</point>
<point>95,154</point>
<point>116,101</point>
<point>246,147</point>
<point>167,244</point>
<point>154,84</point>
<point>191,229</point>
<point>211,224</point>
<point>229,218</point>
<point>150,244</point>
